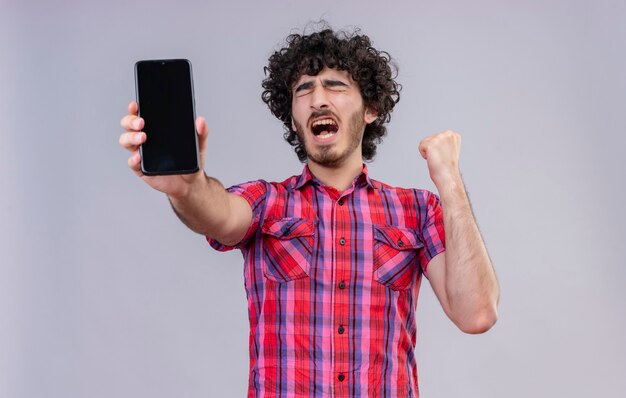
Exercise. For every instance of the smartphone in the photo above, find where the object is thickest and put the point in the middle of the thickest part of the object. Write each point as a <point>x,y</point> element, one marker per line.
<point>164,90</point>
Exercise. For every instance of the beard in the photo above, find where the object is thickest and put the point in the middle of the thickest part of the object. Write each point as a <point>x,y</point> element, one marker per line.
<point>327,155</point>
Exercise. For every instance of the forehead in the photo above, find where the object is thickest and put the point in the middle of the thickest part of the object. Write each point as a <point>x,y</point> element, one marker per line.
<point>326,73</point>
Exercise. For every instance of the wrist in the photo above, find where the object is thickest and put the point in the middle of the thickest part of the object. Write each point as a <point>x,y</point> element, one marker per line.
<point>191,184</point>
<point>450,179</point>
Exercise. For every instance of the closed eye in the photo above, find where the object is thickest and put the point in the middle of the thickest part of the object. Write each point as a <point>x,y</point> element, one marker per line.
<point>306,87</point>
<point>303,87</point>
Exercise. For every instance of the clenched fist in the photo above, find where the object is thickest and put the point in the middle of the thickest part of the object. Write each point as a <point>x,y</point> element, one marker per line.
<point>441,152</point>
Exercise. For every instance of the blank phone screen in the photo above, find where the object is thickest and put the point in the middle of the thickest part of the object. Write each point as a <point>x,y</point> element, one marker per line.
<point>165,97</point>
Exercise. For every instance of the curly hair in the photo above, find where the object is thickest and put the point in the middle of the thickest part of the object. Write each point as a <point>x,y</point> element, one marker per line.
<point>371,69</point>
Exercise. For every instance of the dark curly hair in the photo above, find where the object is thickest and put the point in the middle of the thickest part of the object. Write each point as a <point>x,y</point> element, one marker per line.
<point>373,70</point>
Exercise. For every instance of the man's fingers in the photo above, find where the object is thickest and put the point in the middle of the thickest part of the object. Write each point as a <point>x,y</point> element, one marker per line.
<point>132,140</point>
<point>133,107</point>
<point>423,148</point>
<point>132,123</point>
<point>133,137</point>
<point>134,163</point>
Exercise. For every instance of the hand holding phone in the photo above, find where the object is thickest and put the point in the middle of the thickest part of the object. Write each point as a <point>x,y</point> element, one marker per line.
<point>165,100</point>
<point>133,137</point>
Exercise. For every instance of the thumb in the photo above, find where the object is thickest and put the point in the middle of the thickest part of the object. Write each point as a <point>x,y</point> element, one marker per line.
<point>203,133</point>
<point>423,149</point>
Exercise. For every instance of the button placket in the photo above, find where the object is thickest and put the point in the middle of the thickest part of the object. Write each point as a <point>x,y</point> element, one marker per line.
<point>343,269</point>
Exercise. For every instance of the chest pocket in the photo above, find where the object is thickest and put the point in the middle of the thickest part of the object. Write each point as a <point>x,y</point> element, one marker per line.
<point>287,248</point>
<point>395,256</point>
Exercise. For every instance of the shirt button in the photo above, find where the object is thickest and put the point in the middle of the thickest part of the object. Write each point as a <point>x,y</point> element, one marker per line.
<point>342,241</point>
<point>342,285</point>
<point>341,377</point>
<point>341,329</point>
<point>340,202</point>
<point>400,243</point>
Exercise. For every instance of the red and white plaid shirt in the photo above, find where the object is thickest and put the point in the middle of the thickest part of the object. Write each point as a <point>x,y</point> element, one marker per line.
<point>332,281</point>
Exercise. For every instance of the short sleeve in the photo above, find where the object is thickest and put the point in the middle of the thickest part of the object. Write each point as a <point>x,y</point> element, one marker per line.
<point>254,192</point>
<point>431,229</point>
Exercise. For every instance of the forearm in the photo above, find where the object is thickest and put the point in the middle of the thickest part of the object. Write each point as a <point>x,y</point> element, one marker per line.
<point>207,208</point>
<point>470,283</point>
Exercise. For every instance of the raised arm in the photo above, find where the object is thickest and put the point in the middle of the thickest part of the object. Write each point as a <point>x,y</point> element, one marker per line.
<point>201,202</point>
<point>462,277</point>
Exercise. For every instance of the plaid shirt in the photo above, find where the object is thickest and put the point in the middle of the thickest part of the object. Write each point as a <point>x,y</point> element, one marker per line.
<point>332,281</point>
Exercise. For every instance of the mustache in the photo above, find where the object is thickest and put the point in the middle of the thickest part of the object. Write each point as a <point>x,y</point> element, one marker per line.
<point>323,113</point>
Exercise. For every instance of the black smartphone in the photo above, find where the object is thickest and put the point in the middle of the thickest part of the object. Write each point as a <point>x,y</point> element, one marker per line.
<point>164,90</point>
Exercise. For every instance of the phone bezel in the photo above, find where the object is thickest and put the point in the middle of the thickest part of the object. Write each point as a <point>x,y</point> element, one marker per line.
<point>145,170</point>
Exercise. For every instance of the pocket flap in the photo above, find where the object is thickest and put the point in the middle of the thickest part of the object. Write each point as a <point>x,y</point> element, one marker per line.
<point>398,237</point>
<point>287,228</point>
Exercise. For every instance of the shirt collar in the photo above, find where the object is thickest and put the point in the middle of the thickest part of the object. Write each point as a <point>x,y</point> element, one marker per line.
<point>307,176</point>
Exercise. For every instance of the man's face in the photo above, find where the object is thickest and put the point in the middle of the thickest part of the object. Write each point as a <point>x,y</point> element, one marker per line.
<point>329,117</point>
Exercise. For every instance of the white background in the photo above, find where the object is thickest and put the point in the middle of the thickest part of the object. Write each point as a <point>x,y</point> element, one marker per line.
<point>103,293</point>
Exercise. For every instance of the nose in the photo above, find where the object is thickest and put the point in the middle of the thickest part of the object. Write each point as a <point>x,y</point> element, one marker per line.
<point>319,99</point>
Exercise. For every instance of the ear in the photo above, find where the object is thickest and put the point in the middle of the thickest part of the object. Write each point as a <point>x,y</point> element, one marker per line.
<point>293,125</point>
<point>370,115</point>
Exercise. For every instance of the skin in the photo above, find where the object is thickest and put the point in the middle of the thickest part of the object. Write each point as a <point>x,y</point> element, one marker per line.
<point>334,93</point>
<point>462,277</point>
<point>201,202</point>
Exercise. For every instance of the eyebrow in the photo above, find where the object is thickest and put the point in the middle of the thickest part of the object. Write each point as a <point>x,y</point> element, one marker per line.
<point>333,83</point>
<point>326,83</point>
<point>304,86</point>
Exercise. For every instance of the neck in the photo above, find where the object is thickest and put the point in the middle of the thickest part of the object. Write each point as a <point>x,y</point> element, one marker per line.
<point>340,177</point>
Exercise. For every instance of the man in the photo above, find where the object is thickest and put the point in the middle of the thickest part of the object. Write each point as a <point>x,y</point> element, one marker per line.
<point>334,259</point>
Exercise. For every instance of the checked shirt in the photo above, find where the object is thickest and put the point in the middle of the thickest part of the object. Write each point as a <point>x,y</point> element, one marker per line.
<point>332,281</point>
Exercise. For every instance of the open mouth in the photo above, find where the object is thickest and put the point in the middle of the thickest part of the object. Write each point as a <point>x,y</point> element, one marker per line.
<point>324,128</point>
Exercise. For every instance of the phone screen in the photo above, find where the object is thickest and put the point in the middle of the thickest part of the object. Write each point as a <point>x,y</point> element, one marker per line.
<point>166,103</point>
